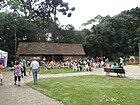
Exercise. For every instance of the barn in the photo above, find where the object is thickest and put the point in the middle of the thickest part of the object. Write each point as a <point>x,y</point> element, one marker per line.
<point>50,51</point>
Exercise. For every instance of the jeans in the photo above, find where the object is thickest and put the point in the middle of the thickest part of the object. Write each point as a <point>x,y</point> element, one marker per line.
<point>35,71</point>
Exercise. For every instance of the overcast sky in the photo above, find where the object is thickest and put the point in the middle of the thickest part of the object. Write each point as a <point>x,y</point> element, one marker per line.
<point>88,9</point>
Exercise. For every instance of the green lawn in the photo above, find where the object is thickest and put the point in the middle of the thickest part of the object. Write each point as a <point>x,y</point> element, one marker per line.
<point>56,71</point>
<point>91,90</point>
<point>7,70</point>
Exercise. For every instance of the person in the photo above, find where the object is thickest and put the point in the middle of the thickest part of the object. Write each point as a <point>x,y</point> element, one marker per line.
<point>20,62</point>
<point>44,65</point>
<point>24,66</point>
<point>1,77</point>
<point>120,66</point>
<point>124,61</point>
<point>115,66</point>
<point>87,67</point>
<point>17,72</point>
<point>97,59</point>
<point>102,63</point>
<point>35,68</point>
<point>12,65</point>
<point>119,61</point>
<point>110,65</point>
<point>28,63</point>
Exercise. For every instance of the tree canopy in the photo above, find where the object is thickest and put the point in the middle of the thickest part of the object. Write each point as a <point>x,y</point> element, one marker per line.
<point>37,21</point>
<point>115,36</point>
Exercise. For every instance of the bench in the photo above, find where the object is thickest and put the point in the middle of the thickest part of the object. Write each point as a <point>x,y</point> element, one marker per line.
<point>115,70</point>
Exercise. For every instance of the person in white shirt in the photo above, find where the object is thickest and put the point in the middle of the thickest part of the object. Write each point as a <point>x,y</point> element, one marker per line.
<point>35,68</point>
<point>121,60</point>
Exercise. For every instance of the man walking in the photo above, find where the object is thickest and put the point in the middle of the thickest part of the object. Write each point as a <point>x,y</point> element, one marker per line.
<point>35,68</point>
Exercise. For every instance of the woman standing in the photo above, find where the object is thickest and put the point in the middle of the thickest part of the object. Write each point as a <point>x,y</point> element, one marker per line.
<point>17,73</point>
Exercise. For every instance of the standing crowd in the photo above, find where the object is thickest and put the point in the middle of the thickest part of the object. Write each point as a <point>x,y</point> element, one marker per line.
<point>19,69</point>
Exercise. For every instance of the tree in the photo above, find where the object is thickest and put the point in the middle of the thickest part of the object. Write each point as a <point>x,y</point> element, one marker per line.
<point>114,36</point>
<point>48,8</point>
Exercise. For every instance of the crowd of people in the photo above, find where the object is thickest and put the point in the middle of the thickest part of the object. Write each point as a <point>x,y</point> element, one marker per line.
<point>19,68</point>
<point>76,65</point>
<point>121,62</point>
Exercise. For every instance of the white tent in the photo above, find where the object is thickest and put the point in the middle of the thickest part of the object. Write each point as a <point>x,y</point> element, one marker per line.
<point>3,57</point>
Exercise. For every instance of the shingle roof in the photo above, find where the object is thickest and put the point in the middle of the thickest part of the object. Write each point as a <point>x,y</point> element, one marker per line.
<point>50,48</point>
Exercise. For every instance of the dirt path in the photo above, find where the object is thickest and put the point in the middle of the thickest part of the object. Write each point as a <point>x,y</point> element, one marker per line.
<point>11,94</point>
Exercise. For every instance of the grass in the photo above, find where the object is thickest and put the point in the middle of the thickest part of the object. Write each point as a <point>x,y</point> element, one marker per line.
<point>7,70</point>
<point>91,90</point>
<point>52,71</point>
<point>56,71</point>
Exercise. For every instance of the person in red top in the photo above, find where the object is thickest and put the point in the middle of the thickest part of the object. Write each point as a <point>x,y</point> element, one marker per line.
<point>1,77</point>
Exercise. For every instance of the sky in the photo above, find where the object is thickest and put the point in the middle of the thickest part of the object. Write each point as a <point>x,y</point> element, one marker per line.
<point>88,9</point>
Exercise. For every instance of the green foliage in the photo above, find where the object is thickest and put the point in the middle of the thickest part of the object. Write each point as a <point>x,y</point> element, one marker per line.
<point>47,8</point>
<point>34,21</point>
<point>115,36</point>
<point>30,22</point>
<point>22,28</point>
<point>86,90</point>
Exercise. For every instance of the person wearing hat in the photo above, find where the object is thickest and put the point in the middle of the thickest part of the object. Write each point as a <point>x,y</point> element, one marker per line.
<point>35,68</point>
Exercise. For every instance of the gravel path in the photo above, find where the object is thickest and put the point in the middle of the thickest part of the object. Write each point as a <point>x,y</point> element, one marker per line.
<point>11,94</point>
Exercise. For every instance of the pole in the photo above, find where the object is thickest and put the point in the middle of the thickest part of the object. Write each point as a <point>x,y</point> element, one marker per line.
<point>15,40</point>
<point>15,35</point>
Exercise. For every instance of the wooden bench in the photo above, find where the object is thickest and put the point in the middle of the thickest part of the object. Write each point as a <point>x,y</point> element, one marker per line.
<point>115,70</point>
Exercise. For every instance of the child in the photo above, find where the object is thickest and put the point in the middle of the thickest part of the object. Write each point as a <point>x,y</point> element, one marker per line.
<point>1,67</point>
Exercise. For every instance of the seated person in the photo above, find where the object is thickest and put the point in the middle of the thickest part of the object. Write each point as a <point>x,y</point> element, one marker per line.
<point>114,66</point>
<point>102,63</point>
<point>98,64</point>
<point>120,66</point>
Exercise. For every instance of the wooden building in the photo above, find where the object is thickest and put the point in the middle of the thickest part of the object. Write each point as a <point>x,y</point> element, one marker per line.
<point>50,51</point>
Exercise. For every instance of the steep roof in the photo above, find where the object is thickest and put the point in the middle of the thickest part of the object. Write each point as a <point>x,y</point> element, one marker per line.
<point>50,48</point>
